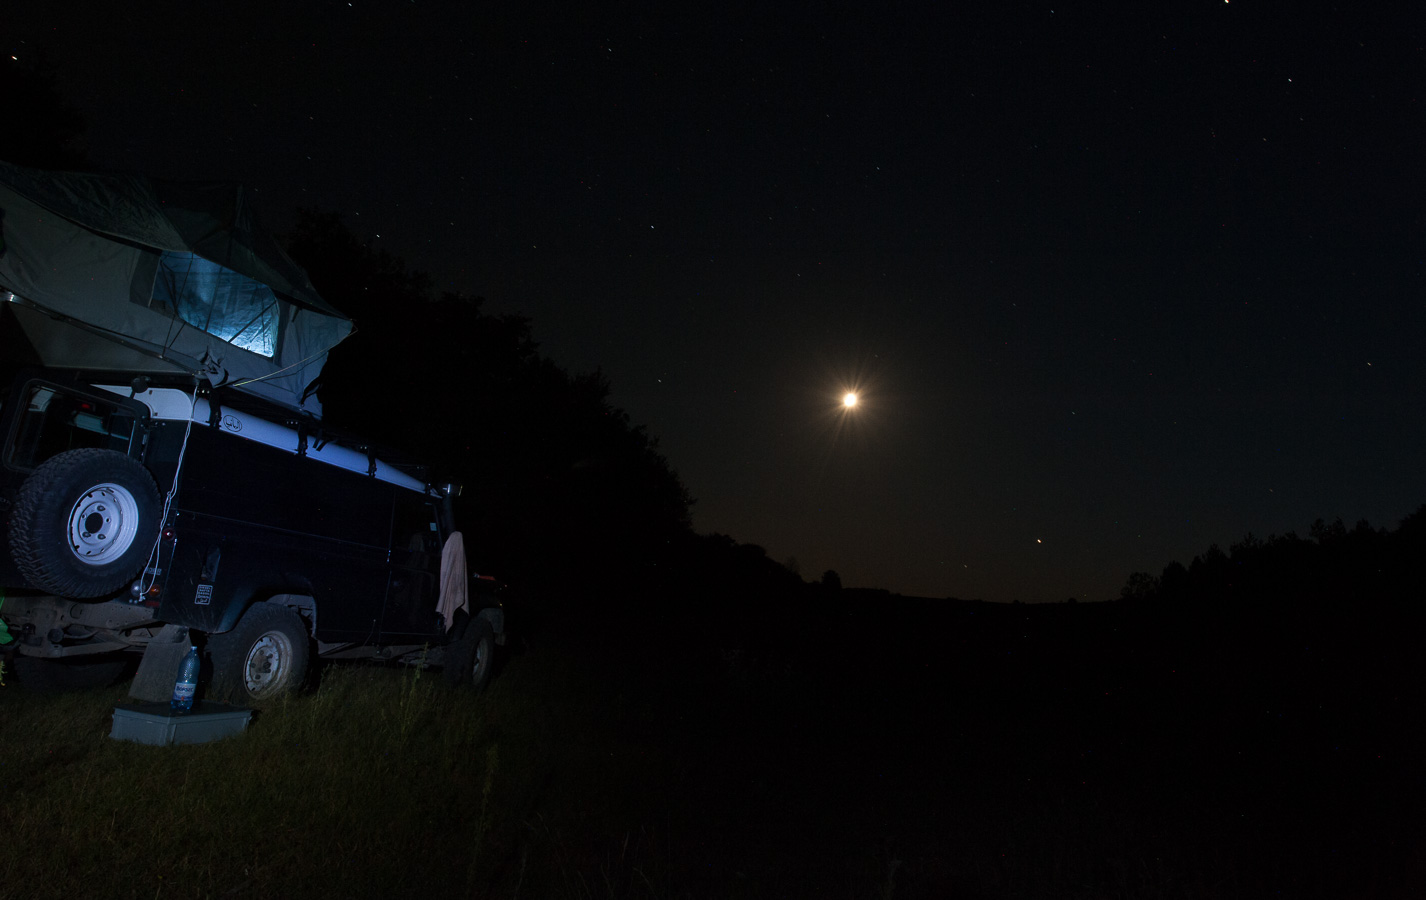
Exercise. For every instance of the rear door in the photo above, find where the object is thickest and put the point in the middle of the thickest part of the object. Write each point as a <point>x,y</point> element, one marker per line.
<point>45,419</point>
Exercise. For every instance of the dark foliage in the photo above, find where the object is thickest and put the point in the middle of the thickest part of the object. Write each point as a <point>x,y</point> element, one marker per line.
<point>41,129</point>
<point>1327,623</point>
<point>1245,739</point>
<point>1297,661</point>
<point>563,493</point>
<point>1333,570</point>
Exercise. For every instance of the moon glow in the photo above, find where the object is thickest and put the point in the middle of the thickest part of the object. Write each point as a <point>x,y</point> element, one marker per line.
<point>849,400</point>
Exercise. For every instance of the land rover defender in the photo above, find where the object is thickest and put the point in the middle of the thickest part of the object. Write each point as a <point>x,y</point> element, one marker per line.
<point>165,473</point>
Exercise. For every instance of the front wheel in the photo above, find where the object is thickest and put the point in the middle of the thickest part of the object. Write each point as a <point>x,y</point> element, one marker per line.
<point>469,659</point>
<point>264,656</point>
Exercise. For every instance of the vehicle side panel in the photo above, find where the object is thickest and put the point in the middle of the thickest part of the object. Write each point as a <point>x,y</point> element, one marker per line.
<point>261,521</point>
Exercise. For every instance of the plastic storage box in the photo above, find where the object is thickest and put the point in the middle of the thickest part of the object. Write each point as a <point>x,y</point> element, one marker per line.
<point>154,723</point>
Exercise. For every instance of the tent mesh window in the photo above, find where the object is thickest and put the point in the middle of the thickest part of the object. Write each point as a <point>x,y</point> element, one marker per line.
<point>229,306</point>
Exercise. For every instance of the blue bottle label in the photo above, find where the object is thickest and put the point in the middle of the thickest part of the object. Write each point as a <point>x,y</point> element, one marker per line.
<point>183,693</point>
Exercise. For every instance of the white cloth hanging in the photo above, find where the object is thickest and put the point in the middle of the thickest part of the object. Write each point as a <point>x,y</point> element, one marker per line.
<point>455,583</point>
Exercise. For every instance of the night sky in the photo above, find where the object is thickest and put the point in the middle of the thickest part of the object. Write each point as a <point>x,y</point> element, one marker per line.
<point>1115,281</point>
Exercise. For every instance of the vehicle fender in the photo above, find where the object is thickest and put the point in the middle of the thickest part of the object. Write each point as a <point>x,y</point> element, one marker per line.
<point>496,618</point>
<point>304,605</point>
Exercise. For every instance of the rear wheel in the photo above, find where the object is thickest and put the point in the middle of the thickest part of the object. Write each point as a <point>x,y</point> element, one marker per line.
<point>265,656</point>
<point>469,659</point>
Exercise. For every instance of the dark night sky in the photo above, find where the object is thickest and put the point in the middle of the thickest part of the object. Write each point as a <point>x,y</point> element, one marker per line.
<point>1116,280</point>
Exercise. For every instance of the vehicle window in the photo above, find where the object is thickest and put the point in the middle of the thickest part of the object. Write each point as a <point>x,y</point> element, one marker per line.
<point>53,421</point>
<point>415,527</point>
<point>414,584</point>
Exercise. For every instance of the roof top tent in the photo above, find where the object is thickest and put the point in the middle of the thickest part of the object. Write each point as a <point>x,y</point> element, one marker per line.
<point>119,272</point>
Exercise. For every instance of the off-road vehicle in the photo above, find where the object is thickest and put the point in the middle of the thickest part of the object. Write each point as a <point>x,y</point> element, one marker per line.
<point>165,475</point>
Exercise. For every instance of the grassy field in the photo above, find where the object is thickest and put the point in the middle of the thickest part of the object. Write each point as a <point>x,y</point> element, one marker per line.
<point>1006,752</point>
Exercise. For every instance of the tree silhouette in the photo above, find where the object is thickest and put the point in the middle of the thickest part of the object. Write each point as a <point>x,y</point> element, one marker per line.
<point>41,129</point>
<point>563,491</point>
<point>1334,568</point>
<point>1141,586</point>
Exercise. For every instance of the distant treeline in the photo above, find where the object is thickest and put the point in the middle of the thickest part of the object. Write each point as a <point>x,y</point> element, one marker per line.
<point>1334,567</point>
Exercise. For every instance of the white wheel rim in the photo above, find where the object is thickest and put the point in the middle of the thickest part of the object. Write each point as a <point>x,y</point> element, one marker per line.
<point>265,668</point>
<point>478,665</point>
<point>102,524</point>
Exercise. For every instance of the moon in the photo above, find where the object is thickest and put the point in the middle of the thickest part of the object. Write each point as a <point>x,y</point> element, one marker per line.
<point>849,400</point>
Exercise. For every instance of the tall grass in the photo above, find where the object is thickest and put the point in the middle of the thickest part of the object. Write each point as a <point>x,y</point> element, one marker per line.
<point>371,784</point>
<point>587,772</point>
<point>380,782</point>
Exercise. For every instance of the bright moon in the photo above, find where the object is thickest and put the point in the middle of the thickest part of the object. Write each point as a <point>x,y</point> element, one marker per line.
<point>849,401</point>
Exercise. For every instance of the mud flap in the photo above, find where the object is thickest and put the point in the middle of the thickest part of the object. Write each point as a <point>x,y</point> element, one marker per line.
<point>159,667</point>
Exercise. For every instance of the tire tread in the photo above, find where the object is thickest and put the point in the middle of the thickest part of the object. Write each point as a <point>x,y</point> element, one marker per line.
<point>229,650</point>
<point>37,545</point>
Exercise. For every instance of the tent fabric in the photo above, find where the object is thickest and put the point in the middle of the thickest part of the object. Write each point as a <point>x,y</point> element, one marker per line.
<point>181,272</point>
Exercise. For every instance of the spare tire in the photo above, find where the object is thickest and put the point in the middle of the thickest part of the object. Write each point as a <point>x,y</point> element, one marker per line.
<point>84,523</point>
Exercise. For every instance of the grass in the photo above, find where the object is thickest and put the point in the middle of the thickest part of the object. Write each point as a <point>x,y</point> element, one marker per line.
<point>382,781</point>
<point>312,800</point>
<point>671,770</point>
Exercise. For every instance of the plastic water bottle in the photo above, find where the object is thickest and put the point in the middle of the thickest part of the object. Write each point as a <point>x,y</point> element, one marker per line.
<point>187,684</point>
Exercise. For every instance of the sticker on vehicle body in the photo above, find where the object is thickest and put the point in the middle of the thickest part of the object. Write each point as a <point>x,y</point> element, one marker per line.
<point>204,595</point>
